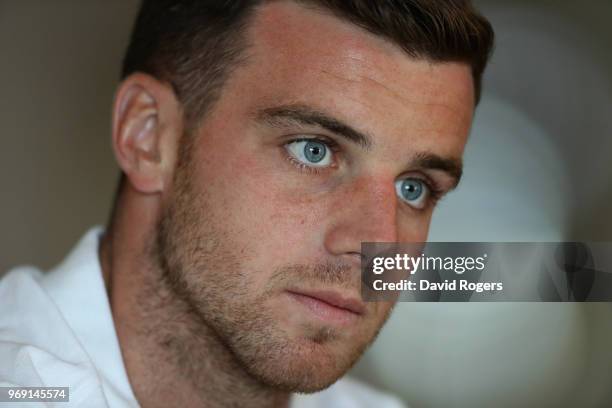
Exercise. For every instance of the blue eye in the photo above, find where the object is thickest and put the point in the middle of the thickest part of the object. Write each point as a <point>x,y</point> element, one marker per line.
<point>313,153</point>
<point>413,191</point>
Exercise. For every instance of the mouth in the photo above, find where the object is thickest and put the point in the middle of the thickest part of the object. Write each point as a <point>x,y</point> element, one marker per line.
<point>329,306</point>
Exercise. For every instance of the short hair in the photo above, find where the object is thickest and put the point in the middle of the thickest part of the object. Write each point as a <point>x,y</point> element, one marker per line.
<point>195,44</point>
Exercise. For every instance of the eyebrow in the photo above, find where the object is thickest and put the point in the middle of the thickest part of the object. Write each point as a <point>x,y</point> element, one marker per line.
<point>432,161</point>
<point>305,115</point>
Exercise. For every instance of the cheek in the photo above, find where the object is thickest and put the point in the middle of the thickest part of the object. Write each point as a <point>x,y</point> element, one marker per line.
<point>413,228</point>
<point>270,223</point>
<point>288,230</point>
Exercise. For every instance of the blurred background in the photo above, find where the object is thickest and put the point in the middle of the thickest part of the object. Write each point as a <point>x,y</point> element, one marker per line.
<point>537,169</point>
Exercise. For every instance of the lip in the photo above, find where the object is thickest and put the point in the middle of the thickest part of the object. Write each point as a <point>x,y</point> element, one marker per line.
<point>330,305</point>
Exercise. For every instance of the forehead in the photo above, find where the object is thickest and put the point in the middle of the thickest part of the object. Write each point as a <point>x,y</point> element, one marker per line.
<point>305,55</point>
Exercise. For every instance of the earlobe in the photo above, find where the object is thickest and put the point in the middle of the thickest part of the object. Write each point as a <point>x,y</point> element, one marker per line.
<point>145,129</point>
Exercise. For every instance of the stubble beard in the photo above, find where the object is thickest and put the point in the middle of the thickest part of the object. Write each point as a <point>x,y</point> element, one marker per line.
<point>218,323</point>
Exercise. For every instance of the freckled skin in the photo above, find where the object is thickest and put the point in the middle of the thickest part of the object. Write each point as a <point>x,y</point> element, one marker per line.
<point>241,223</point>
<point>408,105</point>
<point>282,217</point>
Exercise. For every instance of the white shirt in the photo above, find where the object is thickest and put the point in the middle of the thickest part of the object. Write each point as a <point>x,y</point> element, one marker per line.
<point>56,330</point>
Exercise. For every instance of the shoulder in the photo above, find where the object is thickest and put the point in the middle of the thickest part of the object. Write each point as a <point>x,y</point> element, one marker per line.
<point>32,330</point>
<point>28,319</point>
<point>348,393</point>
<point>22,342</point>
<point>37,347</point>
<point>16,283</point>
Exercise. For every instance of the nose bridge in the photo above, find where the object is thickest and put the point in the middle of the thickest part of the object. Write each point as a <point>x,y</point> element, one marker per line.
<point>366,212</point>
<point>378,205</point>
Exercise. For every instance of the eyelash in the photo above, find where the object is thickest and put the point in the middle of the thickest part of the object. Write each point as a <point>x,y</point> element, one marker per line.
<point>331,145</point>
<point>435,192</point>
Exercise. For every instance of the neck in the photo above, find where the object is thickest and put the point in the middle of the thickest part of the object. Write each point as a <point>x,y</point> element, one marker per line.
<point>171,356</point>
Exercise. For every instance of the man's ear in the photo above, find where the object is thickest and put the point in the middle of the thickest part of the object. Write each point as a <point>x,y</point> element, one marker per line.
<point>147,125</point>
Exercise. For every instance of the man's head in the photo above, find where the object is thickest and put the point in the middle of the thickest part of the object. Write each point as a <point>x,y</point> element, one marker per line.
<point>194,45</point>
<point>263,141</point>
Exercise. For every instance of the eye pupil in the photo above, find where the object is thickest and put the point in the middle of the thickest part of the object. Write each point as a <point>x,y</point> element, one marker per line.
<point>411,189</point>
<point>314,151</point>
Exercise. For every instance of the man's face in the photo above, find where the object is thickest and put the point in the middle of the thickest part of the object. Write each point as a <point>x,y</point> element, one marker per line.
<point>325,138</point>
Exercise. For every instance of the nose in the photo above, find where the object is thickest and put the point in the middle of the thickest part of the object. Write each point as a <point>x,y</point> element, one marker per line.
<point>366,211</point>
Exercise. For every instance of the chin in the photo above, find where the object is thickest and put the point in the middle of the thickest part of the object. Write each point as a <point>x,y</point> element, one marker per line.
<point>304,365</point>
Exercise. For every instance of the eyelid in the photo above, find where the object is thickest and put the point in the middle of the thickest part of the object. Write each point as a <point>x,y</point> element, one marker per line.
<point>301,137</point>
<point>331,144</point>
<point>434,190</point>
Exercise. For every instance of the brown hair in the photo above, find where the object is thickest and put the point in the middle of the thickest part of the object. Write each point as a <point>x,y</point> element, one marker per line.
<point>195,44</point>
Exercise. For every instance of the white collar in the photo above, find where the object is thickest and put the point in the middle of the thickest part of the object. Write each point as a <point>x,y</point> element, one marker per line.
<point>78,289</point>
